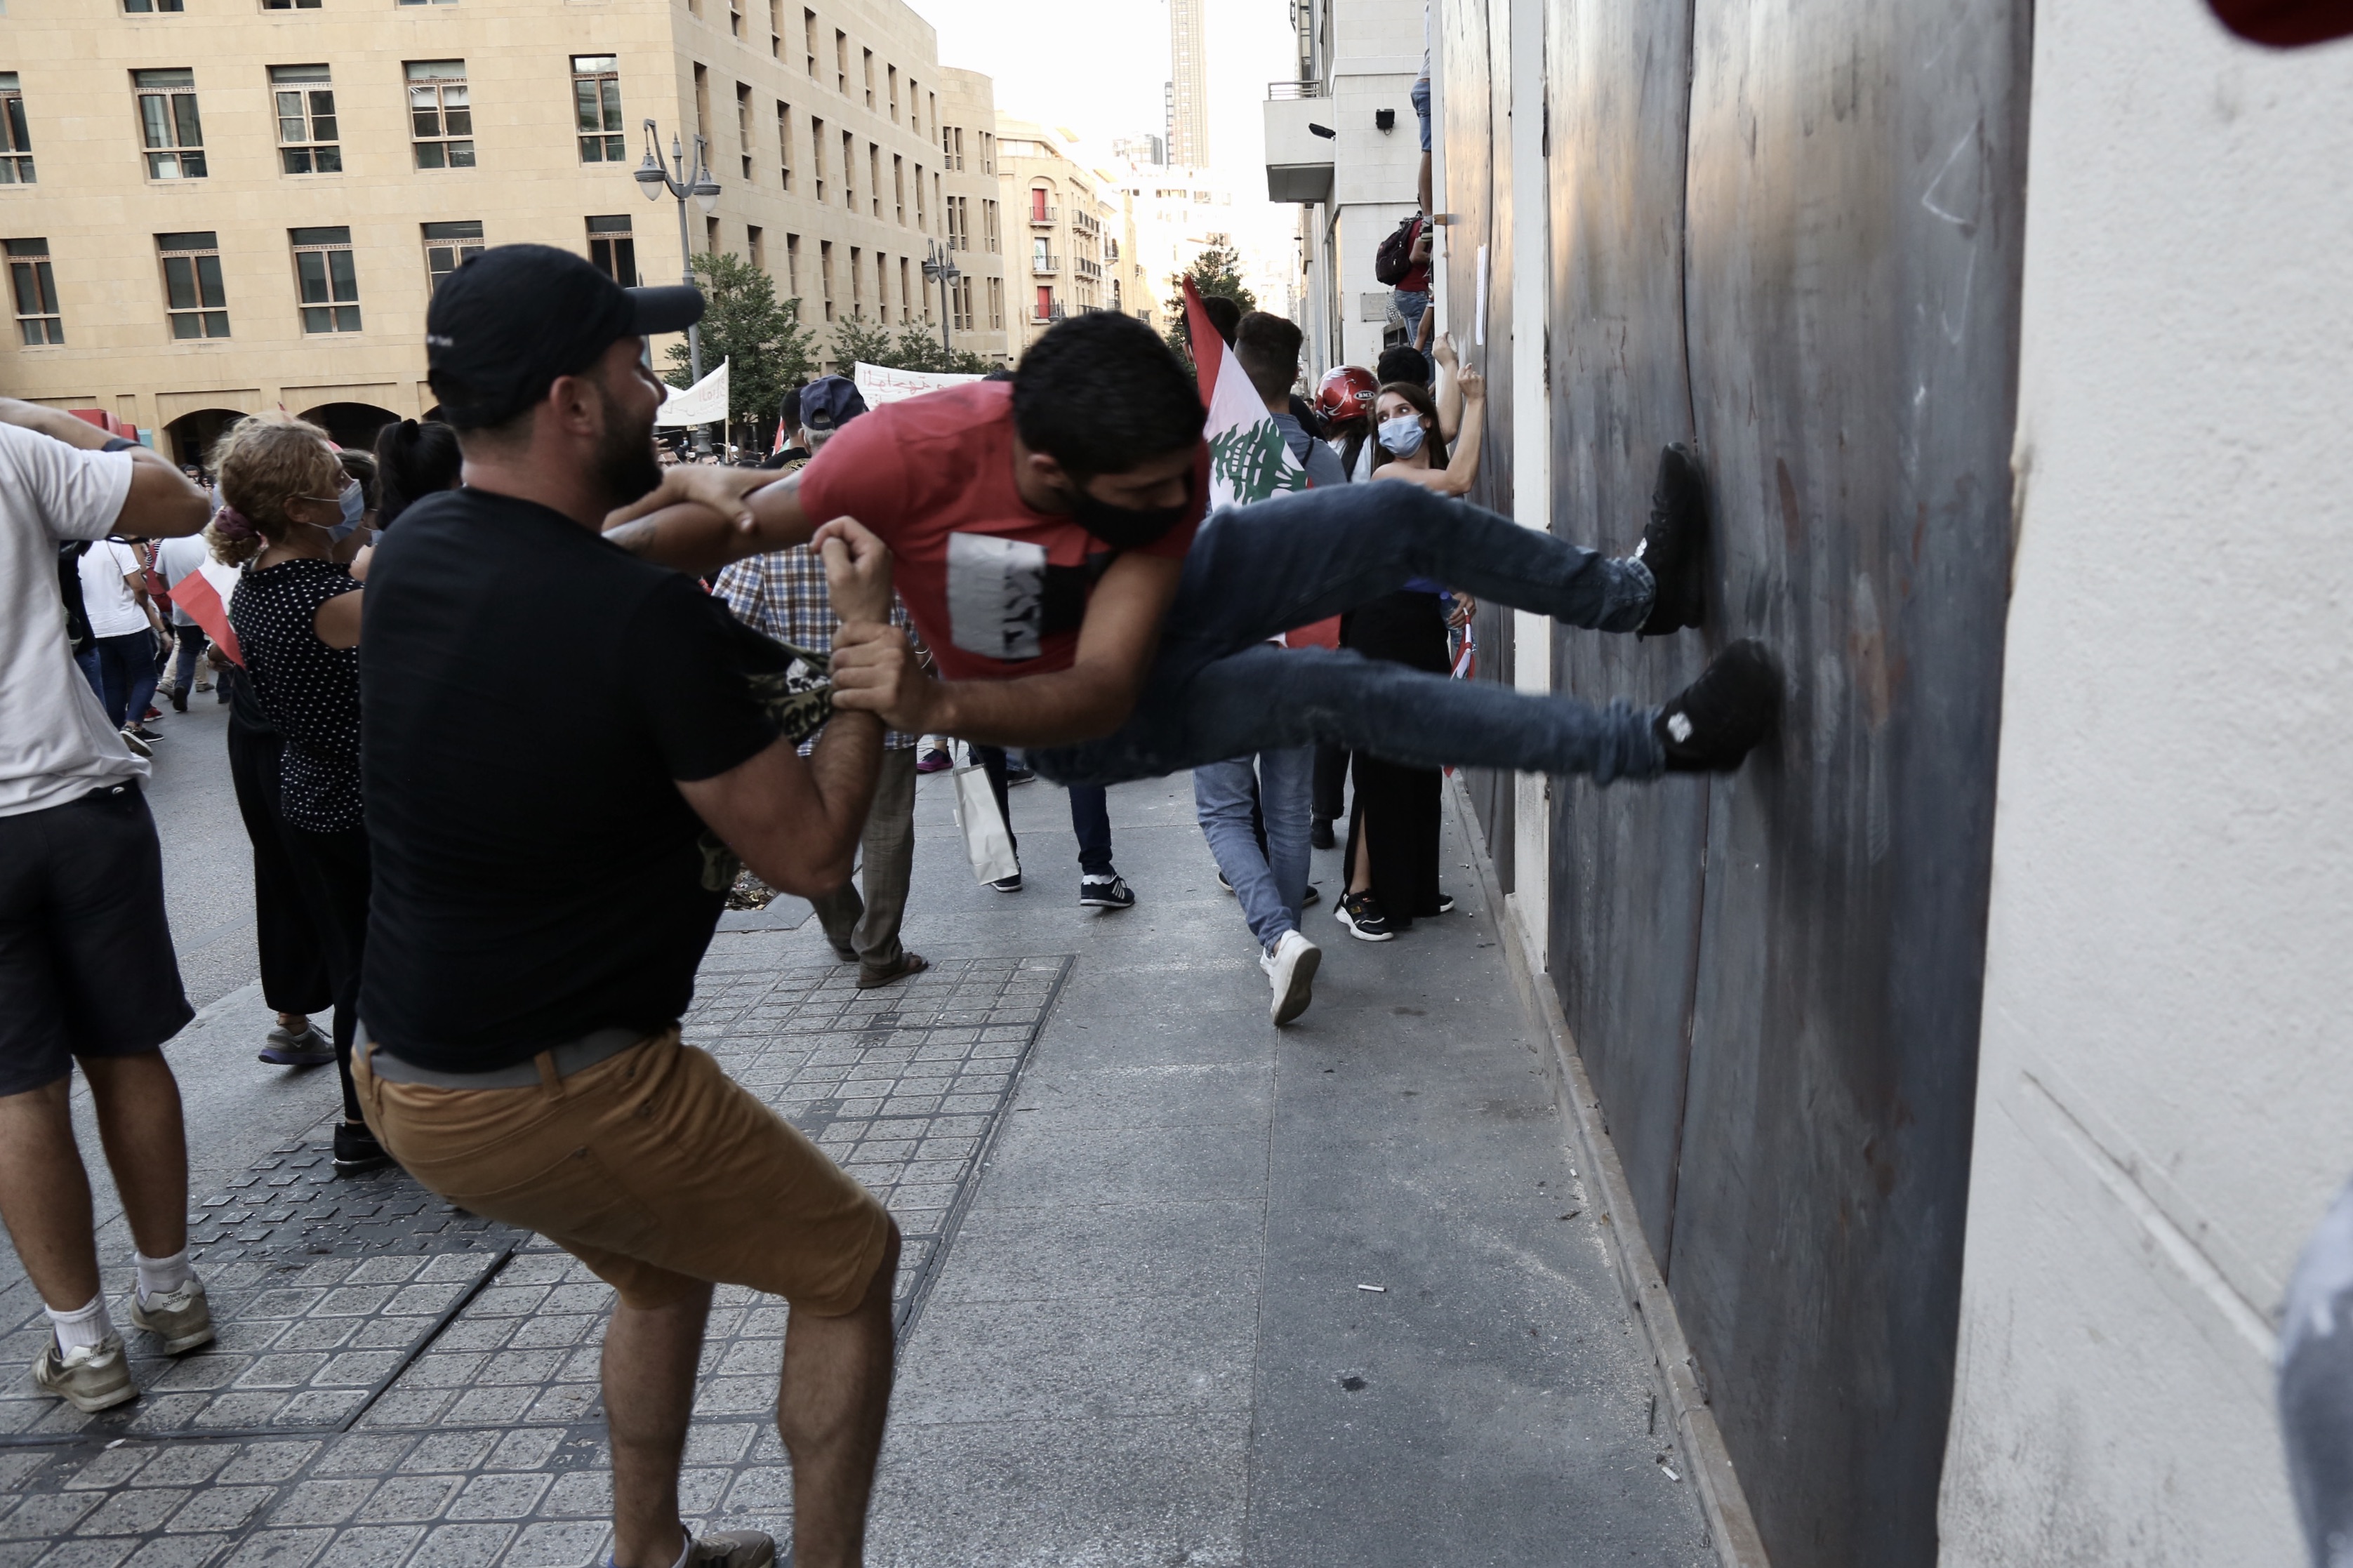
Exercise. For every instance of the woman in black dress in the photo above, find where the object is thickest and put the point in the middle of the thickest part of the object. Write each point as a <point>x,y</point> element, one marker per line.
<point>296,612</point>
<point>1393,830</point>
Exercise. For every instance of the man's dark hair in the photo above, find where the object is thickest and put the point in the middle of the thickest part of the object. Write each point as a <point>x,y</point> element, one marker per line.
<point>1268,349</point>
<point>1101,394</point>
<point>1403,362</point>
<point>1225,314</point>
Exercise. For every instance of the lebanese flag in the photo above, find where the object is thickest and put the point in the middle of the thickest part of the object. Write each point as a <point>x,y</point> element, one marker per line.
<point>204,594</point>
<point>1248,460</point>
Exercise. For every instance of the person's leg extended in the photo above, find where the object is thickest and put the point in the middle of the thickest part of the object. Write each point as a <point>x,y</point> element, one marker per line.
<point>45,1195</point>
<point>1221,803</point>
<point>1285,781</point>
<point>830,1407</point>
<point>1091,825</point>
<point>887,849</point>
<point>139,1121</point>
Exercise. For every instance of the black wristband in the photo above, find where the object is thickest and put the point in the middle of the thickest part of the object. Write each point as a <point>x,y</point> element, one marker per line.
<point>117,444</point>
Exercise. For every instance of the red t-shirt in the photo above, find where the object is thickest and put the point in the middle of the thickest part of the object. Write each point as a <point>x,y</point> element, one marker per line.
<point>996,588</point>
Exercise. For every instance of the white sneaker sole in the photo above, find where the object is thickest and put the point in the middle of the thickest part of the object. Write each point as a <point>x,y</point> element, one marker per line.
<point>180,1346</point>
<point>1291,998</point>
<point>88,1404</point>
<point>1340,913</point>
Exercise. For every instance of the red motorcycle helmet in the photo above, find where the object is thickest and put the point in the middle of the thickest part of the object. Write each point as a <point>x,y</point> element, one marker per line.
<point>1346,392</point>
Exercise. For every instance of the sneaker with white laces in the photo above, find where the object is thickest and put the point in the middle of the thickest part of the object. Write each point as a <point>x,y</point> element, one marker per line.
<point>1110,892</point>
<point>1290,970</point>
<point>1361,913</point>
<point>305,1048</point>
<point>90,1378</point>
<point>181,1319</point>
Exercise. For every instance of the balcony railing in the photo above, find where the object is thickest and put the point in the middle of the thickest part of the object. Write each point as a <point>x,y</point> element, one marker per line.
<point>1044,215</point>
<point>1045,265</point>
<point>1086,268</point>
<point>1282,89</point>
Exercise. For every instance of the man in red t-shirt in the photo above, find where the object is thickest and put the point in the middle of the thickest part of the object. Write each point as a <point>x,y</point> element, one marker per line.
<point>1050,548</point>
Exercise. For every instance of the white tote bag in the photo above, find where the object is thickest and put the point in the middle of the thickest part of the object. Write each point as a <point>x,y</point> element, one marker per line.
<point>986,838</point>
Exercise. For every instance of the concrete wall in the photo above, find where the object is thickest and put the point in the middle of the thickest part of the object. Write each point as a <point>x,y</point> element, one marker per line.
<point>2164,1086</point>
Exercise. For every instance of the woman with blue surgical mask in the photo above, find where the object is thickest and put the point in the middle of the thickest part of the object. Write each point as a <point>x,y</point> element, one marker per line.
<point>1393,827</point>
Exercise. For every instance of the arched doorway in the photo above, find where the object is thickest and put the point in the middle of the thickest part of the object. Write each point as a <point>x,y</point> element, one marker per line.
<point>352,425</point>
<point>192,435</point>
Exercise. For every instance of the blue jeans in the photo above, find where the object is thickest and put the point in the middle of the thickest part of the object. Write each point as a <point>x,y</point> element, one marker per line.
<point>1270,883</point>
<point>1218,689</point>
<point>127,666</point>
<point>1420,99</point>
<point>1412,304</point>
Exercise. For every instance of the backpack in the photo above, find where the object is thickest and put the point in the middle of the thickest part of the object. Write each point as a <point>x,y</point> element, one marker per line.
<point>1394,259</point>
<point>69,554</point>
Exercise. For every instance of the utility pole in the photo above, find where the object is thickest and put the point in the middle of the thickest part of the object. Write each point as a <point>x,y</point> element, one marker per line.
<point>653,179</point>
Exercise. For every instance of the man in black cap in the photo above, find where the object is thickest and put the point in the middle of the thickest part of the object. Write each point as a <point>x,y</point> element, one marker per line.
<point>551,858</point>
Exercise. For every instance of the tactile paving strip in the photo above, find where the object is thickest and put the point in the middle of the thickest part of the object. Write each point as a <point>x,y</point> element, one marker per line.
<point>482,1448</point>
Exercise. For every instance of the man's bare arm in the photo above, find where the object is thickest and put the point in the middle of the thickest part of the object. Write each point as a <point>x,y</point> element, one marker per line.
<point>690,535</point>
<point>1094,697</point>
<point>161,503</point>
<point>795,822</point>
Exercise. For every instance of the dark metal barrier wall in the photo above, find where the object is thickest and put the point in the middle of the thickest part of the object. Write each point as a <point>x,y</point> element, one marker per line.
<point>1789,230</point>
<point>1478,198</point>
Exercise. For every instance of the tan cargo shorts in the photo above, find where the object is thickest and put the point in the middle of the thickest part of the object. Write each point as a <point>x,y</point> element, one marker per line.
<point>653,1167</point>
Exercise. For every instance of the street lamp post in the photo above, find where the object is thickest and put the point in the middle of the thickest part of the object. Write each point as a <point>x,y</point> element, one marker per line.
<point>941,267</point>
<point>653,179</point>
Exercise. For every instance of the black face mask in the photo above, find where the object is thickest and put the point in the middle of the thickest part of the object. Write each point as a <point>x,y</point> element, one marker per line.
<point>1127,527</point>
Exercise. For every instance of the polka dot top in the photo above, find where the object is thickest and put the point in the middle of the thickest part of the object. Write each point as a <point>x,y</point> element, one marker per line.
<point>310,691</point>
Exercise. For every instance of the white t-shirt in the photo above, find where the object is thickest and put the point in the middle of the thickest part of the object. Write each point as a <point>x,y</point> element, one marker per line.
<point>174,559</point>
<point>106,596</point>
<point>55,741</point>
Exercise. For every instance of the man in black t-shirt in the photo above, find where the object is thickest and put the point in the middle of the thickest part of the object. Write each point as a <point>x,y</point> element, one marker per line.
<point>551,858</point>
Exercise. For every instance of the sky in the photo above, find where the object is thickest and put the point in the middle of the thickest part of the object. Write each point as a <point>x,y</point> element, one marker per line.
<point>1099,66</point>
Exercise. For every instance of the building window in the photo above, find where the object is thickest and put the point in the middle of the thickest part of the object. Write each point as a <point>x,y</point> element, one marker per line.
<point>817,155</point>
<point>613,250</point>
<point>440,116</point>
<point>891,73</point>
<point>808,40</point>
<point>921,221</point>
<point>596,109</point>
<point>793,267</point>
<point>306,121</point>
<point>848,162</point>
<point>776,29</point>
<point>168,126</point>
<point>1040,257</point>
<point>427,2</point>
<point>743,125</point>
<point>988,152</point>
<point>961,294</point>
<point>1045,305</point>
<point>874,176</point>
<point>1039,211</point>
<point>857,282</point>
<point>710,236</point>
<point>735,17</point>
<point>784,145</point>
<point>870,77</point>
<point>899,187</point>
<point>289,5</point>
<point>988,229</point>
<point>324,276</point>
<point>448,246</point>
<point>906,292</point>
<point>148,7</point>
<point>703,103</point>
<point>997,305</point>
<point>194,299</point>
<point>842,62</point>
<point>756,245</point>
<point>35,290</point>
<point>825,274</point>
<point>15,137</point>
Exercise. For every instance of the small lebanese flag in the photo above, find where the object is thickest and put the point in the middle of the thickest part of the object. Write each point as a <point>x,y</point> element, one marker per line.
<point>1248,460</point>
<point>204,594</point>
<point>1466,658</point>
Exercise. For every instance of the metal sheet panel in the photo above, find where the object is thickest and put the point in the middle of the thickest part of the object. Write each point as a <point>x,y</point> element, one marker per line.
<point>1856,197</point>
<point>1626,862</point>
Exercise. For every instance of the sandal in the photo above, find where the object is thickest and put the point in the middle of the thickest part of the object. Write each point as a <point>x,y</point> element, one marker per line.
<point>908,963</point>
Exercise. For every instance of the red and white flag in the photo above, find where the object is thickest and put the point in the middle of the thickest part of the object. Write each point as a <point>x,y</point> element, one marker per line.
<point>204,595</point>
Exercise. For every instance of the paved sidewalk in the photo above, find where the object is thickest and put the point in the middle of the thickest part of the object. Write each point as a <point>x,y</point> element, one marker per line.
<point>1139,1221</point>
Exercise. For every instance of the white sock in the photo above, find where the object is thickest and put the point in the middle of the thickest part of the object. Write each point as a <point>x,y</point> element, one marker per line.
<point>161,1275</point>
<point>89,1326</point>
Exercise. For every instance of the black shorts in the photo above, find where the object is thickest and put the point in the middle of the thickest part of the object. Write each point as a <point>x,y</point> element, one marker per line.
<point>86,960</point>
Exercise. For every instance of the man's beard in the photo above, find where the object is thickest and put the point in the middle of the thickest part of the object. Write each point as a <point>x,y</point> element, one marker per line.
<point>625,467</point>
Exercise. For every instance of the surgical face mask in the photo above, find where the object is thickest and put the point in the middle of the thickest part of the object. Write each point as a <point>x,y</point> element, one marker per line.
<point>355,504</point>
<point>1126,527</point>
<point>1402,436</point>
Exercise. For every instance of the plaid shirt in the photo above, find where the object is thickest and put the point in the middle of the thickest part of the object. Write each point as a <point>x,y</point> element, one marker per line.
<point>782,594</point>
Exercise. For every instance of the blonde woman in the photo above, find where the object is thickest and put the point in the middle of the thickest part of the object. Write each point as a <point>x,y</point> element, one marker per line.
<point>296,612</point>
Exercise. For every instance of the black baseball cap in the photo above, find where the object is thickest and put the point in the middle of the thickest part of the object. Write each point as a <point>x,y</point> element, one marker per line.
<point>503,326</point>
<point>828,403</point>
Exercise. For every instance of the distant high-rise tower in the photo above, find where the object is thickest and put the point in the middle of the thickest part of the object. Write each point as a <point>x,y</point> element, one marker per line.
<point>1188,85</point>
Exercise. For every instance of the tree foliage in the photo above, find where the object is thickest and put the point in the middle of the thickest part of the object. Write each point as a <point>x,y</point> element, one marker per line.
<point>1216,271</point>
<point>916,348</point>
<point>767,350</point>
<point>856,338</point>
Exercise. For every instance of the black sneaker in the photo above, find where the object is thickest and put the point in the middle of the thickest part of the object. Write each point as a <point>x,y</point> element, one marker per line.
<point>1674,546</point>
<point>1361,913</point>
<point>1007,884</point>
<point>1110,892</point>
<point>1712,725</point>
<point>179,701</point>
<point>356,1150</point>
<point>1019,774</point>
<point>1319,833</point>
<point>1312,899</point>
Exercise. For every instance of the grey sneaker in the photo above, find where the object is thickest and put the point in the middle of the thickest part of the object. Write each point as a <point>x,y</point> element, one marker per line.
<point>89,1377</point>
<point>308,1048</point>
<point>731,1549</point>
<point>182,1320</point>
